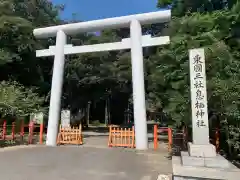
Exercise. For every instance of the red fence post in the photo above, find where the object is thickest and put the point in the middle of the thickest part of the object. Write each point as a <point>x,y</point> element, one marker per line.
<point>155,136</point>
<point>41,133</point>
<point>30,135</point>
<point>13,130</point>
<point>4,129</point>
<point>170,139</point>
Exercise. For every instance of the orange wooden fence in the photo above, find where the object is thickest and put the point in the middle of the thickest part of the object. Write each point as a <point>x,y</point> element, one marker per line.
<point>121,137</point>
<point>68,135</point>
<point>169,130</point>
<point>33,133</point>
<point>19,131</point>
<point>155,137</point>
<point>215,140</point>
<point>156,131</point>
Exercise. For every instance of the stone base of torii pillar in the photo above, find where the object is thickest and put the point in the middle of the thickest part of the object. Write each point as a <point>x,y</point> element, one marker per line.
<point>201,162</point>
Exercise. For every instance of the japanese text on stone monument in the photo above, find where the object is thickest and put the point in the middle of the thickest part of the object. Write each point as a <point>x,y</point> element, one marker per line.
<point>198,88</point>
<point>65,118</point>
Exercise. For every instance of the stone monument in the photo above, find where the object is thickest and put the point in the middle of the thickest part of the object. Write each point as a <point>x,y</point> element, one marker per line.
<point>37,118</point>
<point>201,161</point>
<point>65,118</point>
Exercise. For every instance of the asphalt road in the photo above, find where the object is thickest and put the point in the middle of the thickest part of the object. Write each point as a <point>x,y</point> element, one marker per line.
<point>81,163</point>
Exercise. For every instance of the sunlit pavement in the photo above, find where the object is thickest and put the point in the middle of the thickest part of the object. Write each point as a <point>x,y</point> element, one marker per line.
<point>82,163</point>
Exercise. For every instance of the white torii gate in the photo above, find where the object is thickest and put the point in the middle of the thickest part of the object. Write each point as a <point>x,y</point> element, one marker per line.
<point>135,43</point>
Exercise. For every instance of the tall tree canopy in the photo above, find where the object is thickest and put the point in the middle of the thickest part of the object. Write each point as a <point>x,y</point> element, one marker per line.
<point>17,48</point>
<point>213,25</point>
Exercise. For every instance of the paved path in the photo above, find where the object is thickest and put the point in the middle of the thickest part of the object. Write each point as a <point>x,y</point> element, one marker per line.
<point>76,163</point>
<point>91,161</point>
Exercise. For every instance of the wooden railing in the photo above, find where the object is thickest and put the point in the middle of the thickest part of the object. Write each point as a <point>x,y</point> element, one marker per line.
<point>121,137</point>
<point>157,131</point>
<point>68,135</point>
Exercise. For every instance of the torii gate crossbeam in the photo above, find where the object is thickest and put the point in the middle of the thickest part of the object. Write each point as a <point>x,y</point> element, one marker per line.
<point>135,43</point>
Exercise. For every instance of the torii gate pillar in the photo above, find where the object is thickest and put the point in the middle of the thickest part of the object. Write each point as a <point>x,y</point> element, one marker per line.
<point>56,89</point>
<point>139,106</point>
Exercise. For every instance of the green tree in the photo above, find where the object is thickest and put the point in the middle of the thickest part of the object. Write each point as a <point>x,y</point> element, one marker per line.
<point>18,101</point>
<point>217,32</point>
<point>17,52</point>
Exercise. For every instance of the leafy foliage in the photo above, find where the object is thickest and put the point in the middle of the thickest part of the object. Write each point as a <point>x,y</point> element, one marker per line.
<point>216,31</point>
<point>18,64</point>
<point>15,100</point>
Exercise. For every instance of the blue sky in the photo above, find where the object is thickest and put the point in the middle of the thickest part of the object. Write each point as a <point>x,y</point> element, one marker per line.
<point>99,9</point>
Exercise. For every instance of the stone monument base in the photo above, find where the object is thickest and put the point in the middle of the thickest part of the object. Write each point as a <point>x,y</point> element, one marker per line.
<point>202,163</point>
<point>203,150</point>
<point>181,172</point>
